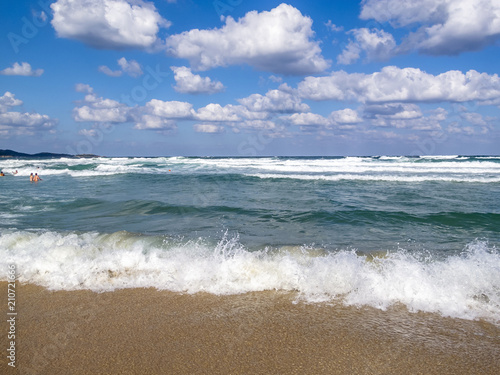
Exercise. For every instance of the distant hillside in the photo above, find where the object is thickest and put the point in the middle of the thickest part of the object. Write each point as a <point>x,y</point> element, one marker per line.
<point>40,155</point>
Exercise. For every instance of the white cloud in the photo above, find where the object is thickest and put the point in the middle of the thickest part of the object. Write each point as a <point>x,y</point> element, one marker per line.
<point>378,45</point>
<point>275,79</point>
<point>345,116</point>
<point>332,27</point>
<point>244,112</point>
<point>393,111</point>
<point>18,123</point>
<point>447,27</point>
<point>92,114</point>
<point>82,87</point>
<point>23,119</point>
<point>393,84</point>
<point>97,109</point>
<point>170,109</point>
<point>208,128</point>
<point>406,116</point>
<point>132,68</point>
<point>261,125</point>
<point>340,117</point>
<point>477,119</point>
<point>151,122</point>
<point>308,119</point>
<point>278,41</point>
<point>281,101</point>
<point>114,24</point>
<point>350,54</point>
<point>189,83</point>
<point>8,100</point>
<point>23,69</point>
<point>112,73</point>
<point>215,112</point>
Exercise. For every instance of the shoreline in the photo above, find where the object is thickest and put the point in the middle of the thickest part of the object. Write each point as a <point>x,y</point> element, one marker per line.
<point>146,331</point>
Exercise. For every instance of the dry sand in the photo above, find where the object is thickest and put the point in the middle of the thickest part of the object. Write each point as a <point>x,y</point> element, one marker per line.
<point>145,331</point>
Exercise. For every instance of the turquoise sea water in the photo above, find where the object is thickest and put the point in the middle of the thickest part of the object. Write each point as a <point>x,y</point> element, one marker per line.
<point>424,232</point>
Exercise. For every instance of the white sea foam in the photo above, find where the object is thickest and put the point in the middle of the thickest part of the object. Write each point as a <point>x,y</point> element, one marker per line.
<point>380,177</point>
<point>439,168</point>
<point>463,286</point>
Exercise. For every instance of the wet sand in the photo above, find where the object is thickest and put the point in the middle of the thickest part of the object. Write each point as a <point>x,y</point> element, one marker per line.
<point>145,331</point>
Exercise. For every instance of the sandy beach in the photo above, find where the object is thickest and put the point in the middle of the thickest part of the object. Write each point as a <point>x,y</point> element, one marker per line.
<point>145,331</point>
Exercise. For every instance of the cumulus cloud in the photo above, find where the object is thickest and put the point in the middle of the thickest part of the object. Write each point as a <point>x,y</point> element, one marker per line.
<point>23,69</point>
<point>113,24</point>
<point>98,109</point>
<point>18,123</point>
<point>345,116</point>
<point>215,112</point>
<point>8,100</point>
<point>340,117</point>
<point>279,41</point>
<point>393,84</point>
<point>281,101</point>
<point>444,27</point>
<point>308,119</point>
<point>378,45</point>
<point>405,116</point>
<point>170,109</point>
<point>151,122</point>
<point>163,115</point>
<point>189,83</point>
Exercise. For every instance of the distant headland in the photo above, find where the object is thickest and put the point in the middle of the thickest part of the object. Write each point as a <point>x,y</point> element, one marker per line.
<point>41,155</point>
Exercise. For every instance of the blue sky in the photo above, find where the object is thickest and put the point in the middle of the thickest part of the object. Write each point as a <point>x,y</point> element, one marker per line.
<point>247,78</point>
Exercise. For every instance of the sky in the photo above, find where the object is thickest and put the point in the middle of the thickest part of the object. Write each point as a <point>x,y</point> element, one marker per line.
<point>250,78</point>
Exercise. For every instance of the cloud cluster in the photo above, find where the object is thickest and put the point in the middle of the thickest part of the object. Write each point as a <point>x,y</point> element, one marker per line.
<point>254,112</point>
<point>393,84</point>
<point>338,118</point>
<point>189,83</point>
<point>113,24</point>
<point>279,41</point>
<point>387,99</point>
<point>18,123</point>
<point>97,109</point>
<point>23,69</point>
<point>444,27</point>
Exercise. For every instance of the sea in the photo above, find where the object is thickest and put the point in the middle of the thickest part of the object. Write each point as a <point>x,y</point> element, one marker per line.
<point>380,231</point>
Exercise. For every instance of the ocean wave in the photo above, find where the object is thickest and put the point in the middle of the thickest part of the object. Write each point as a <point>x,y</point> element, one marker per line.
<point>378,177</point>
<point>371,167</point>
<point>462,286</point>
